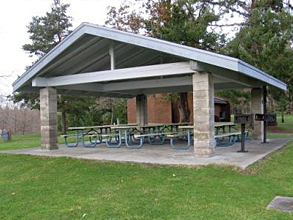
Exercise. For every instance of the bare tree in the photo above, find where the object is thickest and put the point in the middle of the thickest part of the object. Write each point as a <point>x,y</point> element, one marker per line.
<point>19,120</point>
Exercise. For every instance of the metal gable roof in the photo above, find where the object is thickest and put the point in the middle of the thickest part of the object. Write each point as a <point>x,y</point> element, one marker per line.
<point>149,43</point>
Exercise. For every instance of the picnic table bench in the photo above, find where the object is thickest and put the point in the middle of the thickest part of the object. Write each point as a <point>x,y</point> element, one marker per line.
<point>185,132</point>
<point>232,133</point>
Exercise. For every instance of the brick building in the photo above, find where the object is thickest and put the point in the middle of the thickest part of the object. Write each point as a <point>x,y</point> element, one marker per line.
<point>161,110</point>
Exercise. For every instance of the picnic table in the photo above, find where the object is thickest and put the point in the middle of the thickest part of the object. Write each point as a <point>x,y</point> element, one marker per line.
<point>126,133</point>
<point>81,133</point>
<point>94,133</point>
<point>222,126</point>
<point>163,126</point>
<point>156,132</point>
<point>232,134</point>
<point>134,135</point>
<point>183,132</point>
<point>219,126</point>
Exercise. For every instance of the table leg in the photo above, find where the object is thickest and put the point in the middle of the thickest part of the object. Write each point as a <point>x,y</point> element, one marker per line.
<point>182,147</point>
<point>128,140</point>
<point>117,144</point>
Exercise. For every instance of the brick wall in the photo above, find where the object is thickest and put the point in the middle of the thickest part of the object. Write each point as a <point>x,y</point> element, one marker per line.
<point>131,110</point>
<point>159,110</point>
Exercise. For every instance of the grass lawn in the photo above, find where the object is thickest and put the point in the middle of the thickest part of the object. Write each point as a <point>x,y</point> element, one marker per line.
<point>283,130</point>
<point>21,141</point>
<point>24,141</point>
<point>61,188</point>
<point>288,123</point>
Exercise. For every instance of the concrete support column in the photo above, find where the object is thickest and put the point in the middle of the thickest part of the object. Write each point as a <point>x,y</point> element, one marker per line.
<point>141,109</point>
<point>204,114</point>
<point>48,111</point>
<point>257,108</point>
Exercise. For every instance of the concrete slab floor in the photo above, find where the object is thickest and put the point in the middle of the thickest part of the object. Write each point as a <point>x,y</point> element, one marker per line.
<point>281,203</point>
<point>163,154</point>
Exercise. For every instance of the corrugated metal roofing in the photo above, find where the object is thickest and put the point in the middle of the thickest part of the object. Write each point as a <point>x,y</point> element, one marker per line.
<point>86,49</point>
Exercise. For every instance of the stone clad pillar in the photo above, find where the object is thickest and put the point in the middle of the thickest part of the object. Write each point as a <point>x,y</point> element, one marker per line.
<point>141,109</point>
<point>257,108</point>
<point>204,114</point>
<point>48,113</point>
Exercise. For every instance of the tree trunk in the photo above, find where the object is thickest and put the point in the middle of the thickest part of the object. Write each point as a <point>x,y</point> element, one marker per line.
<point>181,115</point>
<point>64,130</point>
<point>283,116</point>
<point>183,107</point>
<point>112,114</point>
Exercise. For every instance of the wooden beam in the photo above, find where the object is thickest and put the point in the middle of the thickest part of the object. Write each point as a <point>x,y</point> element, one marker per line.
<point>228,85</point>
<point>71,91</point>
<point>114,75</point>
<point>149,84</point>
<point>224,74</point>
<point>112,55</point>
<point>142,85</point>
<point>160,90</point>
<point>95,88</point>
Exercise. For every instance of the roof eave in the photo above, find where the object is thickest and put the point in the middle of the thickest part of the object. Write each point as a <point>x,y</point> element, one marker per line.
<point>150,43</point>
<point>256,73</point>
<point>54,52</point>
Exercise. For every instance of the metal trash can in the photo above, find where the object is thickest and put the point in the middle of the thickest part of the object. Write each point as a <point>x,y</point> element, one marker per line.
<point>6,136</point>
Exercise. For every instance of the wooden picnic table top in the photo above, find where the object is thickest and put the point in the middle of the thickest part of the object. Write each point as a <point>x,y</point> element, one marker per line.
<point>123,127</point>
<point>99,126</point>
<point>129,126</point>
<point>89,127</point>
<point>186,127</point>
<point>217,124</point>
<point>222,124</point>
<point>162,124</point>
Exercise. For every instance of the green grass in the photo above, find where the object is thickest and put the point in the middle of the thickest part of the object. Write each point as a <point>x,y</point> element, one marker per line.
<point>283,130</point>
<point>288,123</point>
<point>277,135</point>
<point>25,141</point>
<point>21,141</point>
<point>62,188</point>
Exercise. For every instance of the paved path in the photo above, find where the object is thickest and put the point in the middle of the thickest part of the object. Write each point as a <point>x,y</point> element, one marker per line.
<point>163,154</point>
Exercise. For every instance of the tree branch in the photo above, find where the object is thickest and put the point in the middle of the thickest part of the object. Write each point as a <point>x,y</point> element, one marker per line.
<point>6,76</point>
<point>229,25</point>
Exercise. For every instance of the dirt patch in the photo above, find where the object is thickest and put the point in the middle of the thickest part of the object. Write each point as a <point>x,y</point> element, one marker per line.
<point>280,130</point>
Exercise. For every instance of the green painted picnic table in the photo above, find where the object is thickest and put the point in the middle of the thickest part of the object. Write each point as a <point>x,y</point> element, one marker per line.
<point>161,127</point>
<point>94,133</point>
<point>126,133</point>
<point>223,126</point>
<point>189,129</point>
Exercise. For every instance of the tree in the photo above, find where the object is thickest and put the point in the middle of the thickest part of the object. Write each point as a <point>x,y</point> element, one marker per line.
<point>47,31</point>
<point>75,105</point>
<point>112,110</point>
<point>266,42</point>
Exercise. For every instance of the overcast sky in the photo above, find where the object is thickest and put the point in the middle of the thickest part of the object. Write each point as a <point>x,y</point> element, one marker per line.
<point>15,15</point>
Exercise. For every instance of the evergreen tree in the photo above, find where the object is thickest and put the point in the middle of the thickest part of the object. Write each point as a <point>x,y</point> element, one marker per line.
<point>49,30</point>
<point>45,33</point>
<point>266,42</point>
